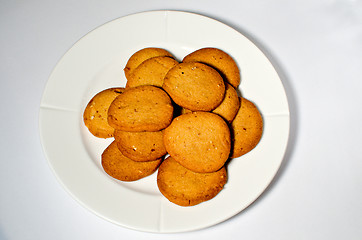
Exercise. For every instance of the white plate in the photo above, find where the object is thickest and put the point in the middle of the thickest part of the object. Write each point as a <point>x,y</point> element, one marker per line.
<point>96,62</point>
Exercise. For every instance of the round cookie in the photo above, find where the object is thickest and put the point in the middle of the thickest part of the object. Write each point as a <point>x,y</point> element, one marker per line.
<point>141,55</point>
<point>95,113</point>
<point>246,129</point>
<point>151,72</point>
<point>230,104</point>
<point>219,60</point>
<point>142,108</point>
<point>187,188</point>
<point>200,141</point>
<point>122,168</point>
<point>140,146</point>
<point>195,86</point>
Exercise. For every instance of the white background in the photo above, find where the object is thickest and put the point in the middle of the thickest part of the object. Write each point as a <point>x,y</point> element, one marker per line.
<point>316,47</point>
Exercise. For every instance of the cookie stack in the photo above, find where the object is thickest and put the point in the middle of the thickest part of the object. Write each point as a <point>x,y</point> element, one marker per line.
<point>213,125</point>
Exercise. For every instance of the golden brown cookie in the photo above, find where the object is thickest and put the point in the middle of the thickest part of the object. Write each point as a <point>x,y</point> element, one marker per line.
<point>200,141</point>
<point>140,146</point>
<point>230,104</point>
<point>246,129</point>
<point>151,72</point>
<point>195,86</point>
<point>219,60</point>
<point>187,188</point>
<point>142,108</point>
<point>122,168</point>
<point>141,55</point>
<point>95,113</point>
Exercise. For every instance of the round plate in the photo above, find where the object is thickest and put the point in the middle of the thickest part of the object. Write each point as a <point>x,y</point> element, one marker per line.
<point>96,62</point>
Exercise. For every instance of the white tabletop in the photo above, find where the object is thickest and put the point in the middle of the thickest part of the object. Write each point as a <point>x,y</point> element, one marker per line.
<point>316,48</point>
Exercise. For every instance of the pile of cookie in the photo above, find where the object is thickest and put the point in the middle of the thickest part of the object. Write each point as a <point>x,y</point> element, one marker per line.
<point>184,119</point>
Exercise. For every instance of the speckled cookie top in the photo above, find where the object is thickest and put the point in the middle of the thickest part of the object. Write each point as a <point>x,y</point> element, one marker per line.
<point>200,141</point>
<point>195,86</point>
<point>122,168</point>
<point>96,112</point>
<point>140,146</point>
<point>143,108</point>
<point>185,187</point>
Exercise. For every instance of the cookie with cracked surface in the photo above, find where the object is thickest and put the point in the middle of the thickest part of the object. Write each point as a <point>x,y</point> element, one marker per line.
<point>246,129</point>
<point>219,60</point>
<point>140,146</point>
<point>142,108</point>
<point>199,141</point>
<point>118,166</point>
<point>96,112</point>
<point>151,72</point>
<point>195,86</point>
<point>141,55</point>
<point>187,188</point>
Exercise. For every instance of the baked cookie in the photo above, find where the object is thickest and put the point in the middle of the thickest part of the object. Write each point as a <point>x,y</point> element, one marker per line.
<point>118,166</point>
<point>246,128</point>
<point>200,141</point>
<point>195,86</point>
<point>141,55</point>
<point>219,60</point>
<point>151,72</point>
<point>142,108</point>
<point>95,113</point>
<point>230,104</point>
<point>140,146</point>
<point>187,188</point>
